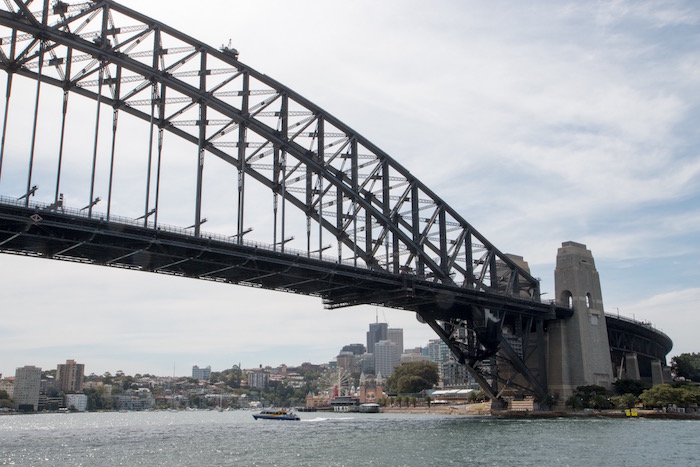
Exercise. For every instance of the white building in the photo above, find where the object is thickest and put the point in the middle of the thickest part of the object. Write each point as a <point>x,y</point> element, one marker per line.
<point>201,374</point>
<point>27,387</point>
<point>386,357</point>
<point>77,402</point>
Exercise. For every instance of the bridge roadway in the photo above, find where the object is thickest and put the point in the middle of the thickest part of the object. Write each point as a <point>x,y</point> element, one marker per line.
<point>73,236</point>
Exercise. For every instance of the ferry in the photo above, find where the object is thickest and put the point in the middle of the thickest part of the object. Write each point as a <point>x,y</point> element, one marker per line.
<point>276,414</point>
<point>369,408</point>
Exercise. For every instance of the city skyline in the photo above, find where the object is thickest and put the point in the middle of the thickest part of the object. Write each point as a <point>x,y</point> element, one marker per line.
<point>196,368</point>
<point>539,123</point>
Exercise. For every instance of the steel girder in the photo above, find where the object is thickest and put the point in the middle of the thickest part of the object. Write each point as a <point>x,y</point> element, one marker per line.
<point>71,235</point>
<point>629,336</point>
<point>377,213</point>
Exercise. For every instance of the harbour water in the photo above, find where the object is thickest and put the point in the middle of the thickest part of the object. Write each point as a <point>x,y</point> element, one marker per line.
<point>322,439</point>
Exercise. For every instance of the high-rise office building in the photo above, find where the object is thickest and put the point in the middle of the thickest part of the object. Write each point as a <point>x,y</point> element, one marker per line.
<point>439,353</point>
<point>27,386</point>
<point>366,363</point>
<point>386,357</point>
<point>376,333</point>
<point>396,335</point>
<point>69,377</point>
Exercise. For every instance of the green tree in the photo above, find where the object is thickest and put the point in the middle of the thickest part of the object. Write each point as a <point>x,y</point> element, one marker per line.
<point>428,400</point>
<point>97,400</point>
<point>5,401</point>
<point>194,401</point>
<point>231,377</point>
<point>574,402</point>
<point>476,396</point>
<point>630,386</point>
<point>625,401</point>
<point>662,395</point>
<point>590,397</point>
<point>413,377</point>
<point>686,365</point>
<point>600,402</point>
<point>279,394</point>
<point>128,383</point>
<point>546,402</point>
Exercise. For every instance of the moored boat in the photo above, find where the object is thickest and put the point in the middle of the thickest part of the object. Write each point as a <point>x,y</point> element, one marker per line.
<point>369,408</point>
<point>276,414</point>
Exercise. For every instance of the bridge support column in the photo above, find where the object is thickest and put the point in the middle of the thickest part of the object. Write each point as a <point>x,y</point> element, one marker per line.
<point>578,349</point>
<point>666,371</point>
<point>632,367</point>
<point>657,372</point>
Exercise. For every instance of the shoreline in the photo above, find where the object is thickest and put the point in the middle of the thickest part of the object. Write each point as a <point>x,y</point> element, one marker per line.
<point>484,409</point>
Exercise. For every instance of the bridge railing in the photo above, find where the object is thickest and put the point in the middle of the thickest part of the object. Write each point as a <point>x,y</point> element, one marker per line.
<point>646,324</point>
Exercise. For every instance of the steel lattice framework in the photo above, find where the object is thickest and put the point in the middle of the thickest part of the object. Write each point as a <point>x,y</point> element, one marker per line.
<point>628,336</point>
<point>354,200</point>
<point>373,209</point>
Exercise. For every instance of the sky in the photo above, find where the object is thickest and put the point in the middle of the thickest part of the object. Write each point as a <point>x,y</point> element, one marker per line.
<point>540,122</point>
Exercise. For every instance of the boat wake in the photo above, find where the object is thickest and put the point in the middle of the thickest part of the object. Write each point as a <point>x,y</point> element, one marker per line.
<point>326,419</point>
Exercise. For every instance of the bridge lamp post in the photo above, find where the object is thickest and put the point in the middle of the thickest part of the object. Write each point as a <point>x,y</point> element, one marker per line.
<point>239,236</point>
<point>282,242</point>
<point>90,206</point>
<point>195,225</point>
<point>146,216</point>
<point>31,192</point>
<point>320,251</point>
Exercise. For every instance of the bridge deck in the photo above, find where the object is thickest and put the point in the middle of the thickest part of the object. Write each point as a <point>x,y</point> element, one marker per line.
<point>37,231</point>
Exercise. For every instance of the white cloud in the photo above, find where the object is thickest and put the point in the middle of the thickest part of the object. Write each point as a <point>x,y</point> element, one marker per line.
<point>673,313</point>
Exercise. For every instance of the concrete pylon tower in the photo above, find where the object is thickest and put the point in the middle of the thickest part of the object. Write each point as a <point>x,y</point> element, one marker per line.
<point>578,348</point>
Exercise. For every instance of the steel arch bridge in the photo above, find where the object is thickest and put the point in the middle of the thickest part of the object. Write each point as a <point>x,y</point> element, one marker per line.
<point>347,222</point>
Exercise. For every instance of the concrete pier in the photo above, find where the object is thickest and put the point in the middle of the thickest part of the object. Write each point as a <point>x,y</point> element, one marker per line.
<point>578,349</point>
<point>632,367</point>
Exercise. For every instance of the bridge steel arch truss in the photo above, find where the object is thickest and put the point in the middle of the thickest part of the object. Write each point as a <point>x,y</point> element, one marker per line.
<point>628,336</point>
<point>357,201</point>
